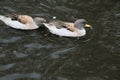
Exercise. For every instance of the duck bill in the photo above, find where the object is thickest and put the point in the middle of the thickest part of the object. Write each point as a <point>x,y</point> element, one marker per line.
<point>88,26</point>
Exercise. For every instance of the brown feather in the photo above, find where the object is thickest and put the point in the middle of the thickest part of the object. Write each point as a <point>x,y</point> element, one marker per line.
<point>24,19</point>
<point>21,18</point>
<point>68,25</point>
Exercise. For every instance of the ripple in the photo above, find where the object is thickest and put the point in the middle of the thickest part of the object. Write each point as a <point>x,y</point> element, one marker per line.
<point>62,8</point>
<point>9,9</point>
<point>61,78</point>
<point>38,46</point>
<point>2,55</point>
<point>19,55</point>
<point>94,78</point>
<point>15,76</point>
<point>56,54</point>
<point>7,66</point>
<point>11,40</point>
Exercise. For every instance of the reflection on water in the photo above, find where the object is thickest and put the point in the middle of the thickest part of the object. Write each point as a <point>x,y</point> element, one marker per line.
<point>38,55</point>
<point>19,55</point>
<point>57,53</point>
<point>19,76</point>
<point>39,46</point>
<point>5,67</point>
<point>11,40</point>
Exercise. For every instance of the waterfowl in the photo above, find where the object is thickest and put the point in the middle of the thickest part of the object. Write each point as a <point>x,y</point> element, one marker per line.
<point>23,22</point>
<point>68,29</point>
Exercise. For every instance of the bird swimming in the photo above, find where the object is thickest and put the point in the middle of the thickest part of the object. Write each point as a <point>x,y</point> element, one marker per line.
<point>68,29</point>
<point>23,22</point>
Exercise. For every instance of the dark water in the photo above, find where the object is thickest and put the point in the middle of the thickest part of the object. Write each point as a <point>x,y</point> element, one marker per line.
<point>31,55</point>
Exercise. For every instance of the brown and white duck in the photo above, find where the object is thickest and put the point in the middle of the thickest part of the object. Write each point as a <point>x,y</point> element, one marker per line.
<point>23,22</point>
<point>68,29</point>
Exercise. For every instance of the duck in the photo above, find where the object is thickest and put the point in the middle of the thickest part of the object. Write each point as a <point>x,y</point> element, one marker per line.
<point>68,29</point>
<point>23,22</point>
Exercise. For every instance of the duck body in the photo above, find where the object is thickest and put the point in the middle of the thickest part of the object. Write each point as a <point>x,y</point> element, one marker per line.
<point>23,22</point>
<point>67,29</point>
<point>64,31</point>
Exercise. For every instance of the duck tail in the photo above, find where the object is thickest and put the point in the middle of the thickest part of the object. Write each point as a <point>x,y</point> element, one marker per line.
<point>1,17</point>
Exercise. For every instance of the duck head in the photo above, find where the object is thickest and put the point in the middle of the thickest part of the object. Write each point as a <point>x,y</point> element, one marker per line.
<point>39,21</point>
<point>81,23</point>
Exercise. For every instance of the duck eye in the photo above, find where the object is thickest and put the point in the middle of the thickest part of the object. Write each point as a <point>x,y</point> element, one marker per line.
<point>84,23</point>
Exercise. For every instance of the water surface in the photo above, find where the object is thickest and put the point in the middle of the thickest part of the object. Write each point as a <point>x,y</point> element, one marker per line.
<point>33,55</point>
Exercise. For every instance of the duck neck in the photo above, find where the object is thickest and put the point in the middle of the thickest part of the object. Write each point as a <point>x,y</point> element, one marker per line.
<point>80,27</point>
<point>39,21</point>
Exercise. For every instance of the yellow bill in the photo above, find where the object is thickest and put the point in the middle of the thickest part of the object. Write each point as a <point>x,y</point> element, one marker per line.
<point>87,25</point>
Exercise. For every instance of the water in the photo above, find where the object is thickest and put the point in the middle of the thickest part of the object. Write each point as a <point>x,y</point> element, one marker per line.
<point>38,55</point>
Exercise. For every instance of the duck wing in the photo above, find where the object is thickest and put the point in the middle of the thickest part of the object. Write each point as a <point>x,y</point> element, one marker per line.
<point>14,17</point>
<point>62,24</point>
<point>24,19</point>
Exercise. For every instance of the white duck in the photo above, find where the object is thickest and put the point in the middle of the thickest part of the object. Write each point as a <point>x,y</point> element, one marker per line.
<point>23,22</point>
<point>68,29</point>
